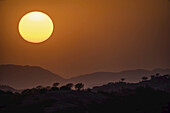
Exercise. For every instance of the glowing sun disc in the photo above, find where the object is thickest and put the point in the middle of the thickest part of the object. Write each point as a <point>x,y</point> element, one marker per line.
<point>35,27</point>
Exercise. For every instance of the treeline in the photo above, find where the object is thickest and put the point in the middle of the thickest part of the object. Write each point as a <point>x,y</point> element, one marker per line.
<point>143,100</point>
<point>145,78</point>
<point>55,87</point>
<point>73,98</point>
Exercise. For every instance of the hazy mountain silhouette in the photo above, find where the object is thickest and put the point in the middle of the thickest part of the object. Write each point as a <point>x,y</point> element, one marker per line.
<point>8,88</point>
<point>21,77</point>
<point>161,83</point>
<point>100,78</point>
<point>26,76</point>
<point>147,96</point>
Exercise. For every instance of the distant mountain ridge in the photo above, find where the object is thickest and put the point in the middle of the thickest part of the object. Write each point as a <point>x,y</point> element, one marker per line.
<point>8,88</point>
<point>155,82</point>
<point>21,77</point>
<point>100,78</point>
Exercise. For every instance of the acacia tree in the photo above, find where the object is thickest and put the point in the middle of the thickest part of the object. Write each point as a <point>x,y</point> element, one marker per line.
<point>56,84</point>
<point>152,76</point>
<point>48,87</point>
<point>67,86</point>
<point>144,78</point>
<point>39,87</point>
<point>79,86</point>
<point>122,79</point>
<point>157,74</point>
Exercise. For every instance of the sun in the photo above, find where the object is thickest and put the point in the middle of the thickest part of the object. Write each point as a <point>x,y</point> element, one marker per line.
<point>35,27</point>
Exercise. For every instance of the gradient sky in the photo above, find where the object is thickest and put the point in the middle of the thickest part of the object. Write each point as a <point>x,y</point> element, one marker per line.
<point>90,35</point>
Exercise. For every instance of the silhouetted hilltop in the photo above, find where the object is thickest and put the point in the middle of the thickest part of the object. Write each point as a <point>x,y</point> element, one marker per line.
<point>150,95</point>
<point>100,78</point>
<point>21,77</point>
<point>156,82</point>
<point>7,88</point>
<point>50,100</point>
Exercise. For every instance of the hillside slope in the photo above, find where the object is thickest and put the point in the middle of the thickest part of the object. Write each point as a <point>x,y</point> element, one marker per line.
<point>100,78</point>
<point>21,77</point>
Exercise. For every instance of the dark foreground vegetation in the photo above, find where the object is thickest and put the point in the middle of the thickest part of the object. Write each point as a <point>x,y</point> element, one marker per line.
<point>144,97</point>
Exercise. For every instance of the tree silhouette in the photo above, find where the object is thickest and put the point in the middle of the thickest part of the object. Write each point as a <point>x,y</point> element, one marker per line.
<point>63,88</point>
<point>26,92</point>
<point>39,87</point>
<point>79,86</point>
<point>67,86</point>
<point>122,79</point>
<point>152,76</point>
<point>56,84</point>
<point>48,87</point>
<point>70,85</point>
<point>157,74</point>
<point>43,90</point>
<point>144,78</point>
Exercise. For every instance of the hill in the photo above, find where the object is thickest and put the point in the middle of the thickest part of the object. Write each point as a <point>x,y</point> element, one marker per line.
<point>161,83</point>
<point>21,77</point>
<point>147,96</point>
<point>141,100</point>
<point>8,88</point>
<point>100,78</point>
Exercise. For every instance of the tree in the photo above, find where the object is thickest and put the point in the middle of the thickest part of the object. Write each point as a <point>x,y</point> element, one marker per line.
<point>67,86</point>
<point>70,86</point>
<point>144,78</point>
<point>43,90</point>
<point>56,84</point>
<point>27,92</point>
<point>63,88</point>
<point>48,87</point>
<point>79,86</point>
<point>157,74</point>
<point>39,87</point>
<point>122,79</point>
<point>152,76</point>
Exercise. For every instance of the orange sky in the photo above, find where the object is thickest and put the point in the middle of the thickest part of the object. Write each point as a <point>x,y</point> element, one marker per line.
<point>90,35</point>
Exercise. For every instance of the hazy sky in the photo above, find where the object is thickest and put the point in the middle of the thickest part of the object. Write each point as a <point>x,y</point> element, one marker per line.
<point>90,35</point>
